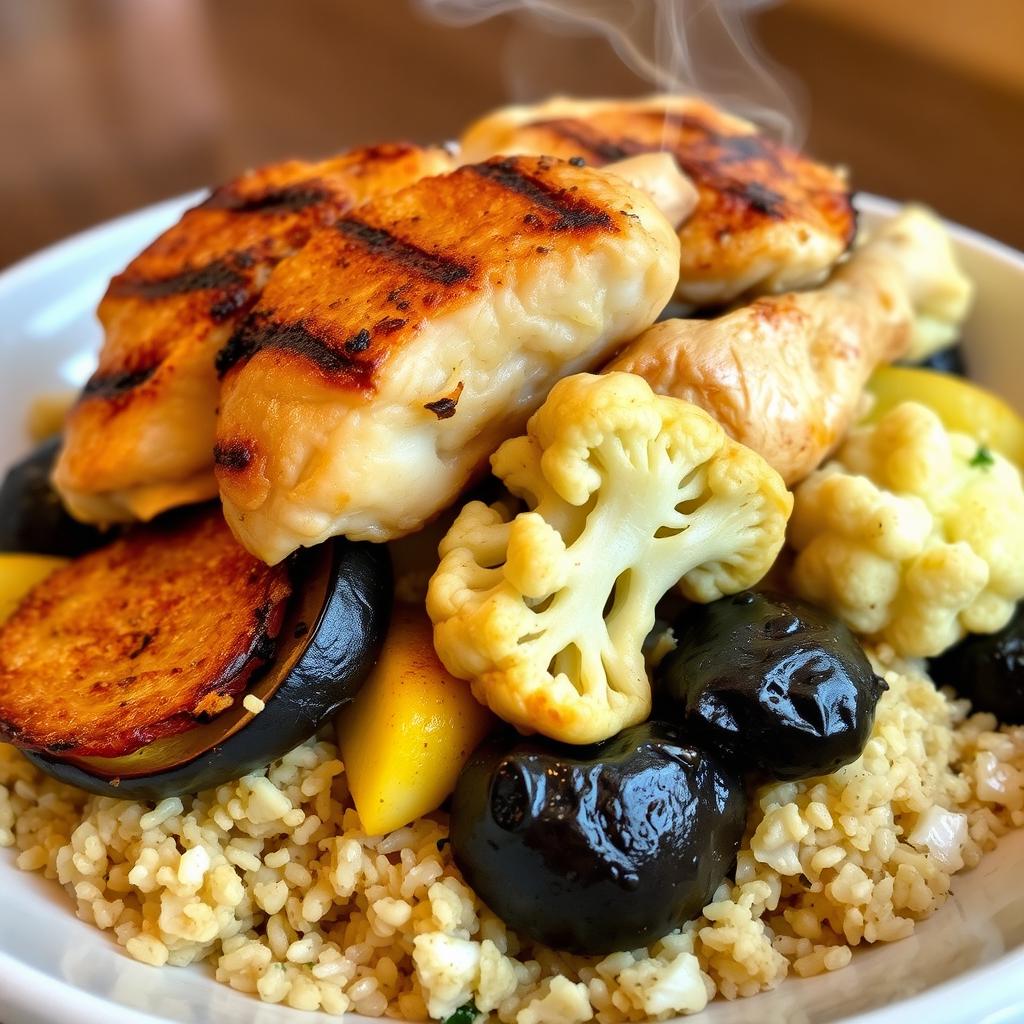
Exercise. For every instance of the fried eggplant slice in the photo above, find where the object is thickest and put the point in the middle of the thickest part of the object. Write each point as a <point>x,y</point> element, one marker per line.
<point>389,358</point>
<point>768,218</point>
<point>138,640</point>
<point>140,438</point>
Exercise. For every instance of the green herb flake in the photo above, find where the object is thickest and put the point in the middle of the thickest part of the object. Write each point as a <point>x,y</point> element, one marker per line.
<point>982,458</point>
<point>465,1014</point>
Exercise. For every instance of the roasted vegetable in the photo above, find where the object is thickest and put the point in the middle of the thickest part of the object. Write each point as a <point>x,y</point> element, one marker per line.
<point>963,406</point>
<point>137,640</point>
<point>946,360</point>
<point>410,731</point>
<point>988,670</point>
<point>599,848</point>
<point>547,611</point>
<point>32,517</point>
<point>773,684</point>
<point>230,629</point>
<point>913,535</point>
<point>19,573</point>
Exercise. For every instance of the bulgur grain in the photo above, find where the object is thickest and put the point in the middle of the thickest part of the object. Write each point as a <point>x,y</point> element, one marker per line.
<point>273,880</point>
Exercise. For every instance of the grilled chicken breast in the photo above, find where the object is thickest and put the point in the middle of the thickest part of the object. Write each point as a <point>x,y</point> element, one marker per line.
<point>785,374</point>
<point>140,439</point>
<point>768,218</point>
<point>389,358</point>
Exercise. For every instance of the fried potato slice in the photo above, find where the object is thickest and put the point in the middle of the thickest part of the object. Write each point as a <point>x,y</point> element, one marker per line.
<point>138,640</point>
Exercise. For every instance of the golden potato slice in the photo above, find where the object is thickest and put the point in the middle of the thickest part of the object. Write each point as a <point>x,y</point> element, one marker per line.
<point>138,640</point>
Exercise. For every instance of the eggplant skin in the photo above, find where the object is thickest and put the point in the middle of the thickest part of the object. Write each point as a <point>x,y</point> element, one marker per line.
<point>32,518</point>
<point>331,661</point>
<point>947,360</point>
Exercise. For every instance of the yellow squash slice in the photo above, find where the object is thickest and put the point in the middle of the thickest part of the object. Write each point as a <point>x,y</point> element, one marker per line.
<point>962,406</point>
<point>410,731</point>
<point>19,573</point>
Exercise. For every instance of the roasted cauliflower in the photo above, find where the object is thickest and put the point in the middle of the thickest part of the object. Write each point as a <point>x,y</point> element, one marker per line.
<point>628,493</point>
<point>913,535</point>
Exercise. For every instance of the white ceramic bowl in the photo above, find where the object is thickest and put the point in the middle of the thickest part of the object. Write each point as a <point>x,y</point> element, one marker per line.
<point>964,965</point>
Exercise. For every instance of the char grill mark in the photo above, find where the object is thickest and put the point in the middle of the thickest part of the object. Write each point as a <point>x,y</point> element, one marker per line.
<point>758,198</point>
<point>231,295</point>
<point>444,408</point>
<point>736,147</point>
<point>388,325</point>
<point>575,212</point>
<point>729,147</point>
<point>712,170</point>
<point>218,275</point>
<point>289,199</point>
<point>260,332</point>
<point>387,151</point>
<point>600,148</point>
<point>111,385</point>
<point>435,266</point>
<point>709,171</point>
<point>232,455</point>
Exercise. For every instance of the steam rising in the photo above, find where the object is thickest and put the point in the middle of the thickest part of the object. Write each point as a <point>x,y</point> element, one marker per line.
<point>700,47</point>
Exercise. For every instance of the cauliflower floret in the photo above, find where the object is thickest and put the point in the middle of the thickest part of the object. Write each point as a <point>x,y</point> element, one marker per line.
<point>447,968</point>
<point>629,492</point>
<point>940,291</point>
<point>564,1003</point>
<point>912,535</point>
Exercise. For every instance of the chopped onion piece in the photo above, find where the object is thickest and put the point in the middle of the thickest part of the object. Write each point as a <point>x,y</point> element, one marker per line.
<point>941,834</point>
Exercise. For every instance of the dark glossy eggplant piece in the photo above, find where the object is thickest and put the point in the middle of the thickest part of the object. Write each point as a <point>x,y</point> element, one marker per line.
<point>774,684</point>
<point>330,639</point>
<point>988,670</point>
<point>32,518</point>
<point>946,360</point>
<point>598,848</point>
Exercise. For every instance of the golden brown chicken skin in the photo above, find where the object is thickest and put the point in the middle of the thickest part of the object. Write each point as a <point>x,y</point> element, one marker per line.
<point>140,439</point>
<point>785,374</point>
<point>768,218</point>
<point>389,358</point>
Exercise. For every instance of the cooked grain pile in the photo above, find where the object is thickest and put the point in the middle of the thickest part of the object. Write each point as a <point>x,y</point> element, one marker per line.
<point>272,880</point>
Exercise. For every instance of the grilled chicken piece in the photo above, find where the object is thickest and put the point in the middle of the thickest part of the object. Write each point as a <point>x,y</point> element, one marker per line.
<point>768,219</point>
<point>389,358</point>
<point>659,176</point>
<point>140,439</point>
<point>785,375</point>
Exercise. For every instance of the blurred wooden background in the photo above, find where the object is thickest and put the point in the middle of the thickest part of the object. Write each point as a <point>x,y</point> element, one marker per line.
<point>106,105</point>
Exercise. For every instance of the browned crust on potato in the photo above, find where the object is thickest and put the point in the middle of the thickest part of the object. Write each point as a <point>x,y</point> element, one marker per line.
<point>138,640</point>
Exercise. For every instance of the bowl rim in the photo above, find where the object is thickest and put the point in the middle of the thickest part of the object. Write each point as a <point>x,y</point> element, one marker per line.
<point>26,988</point>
